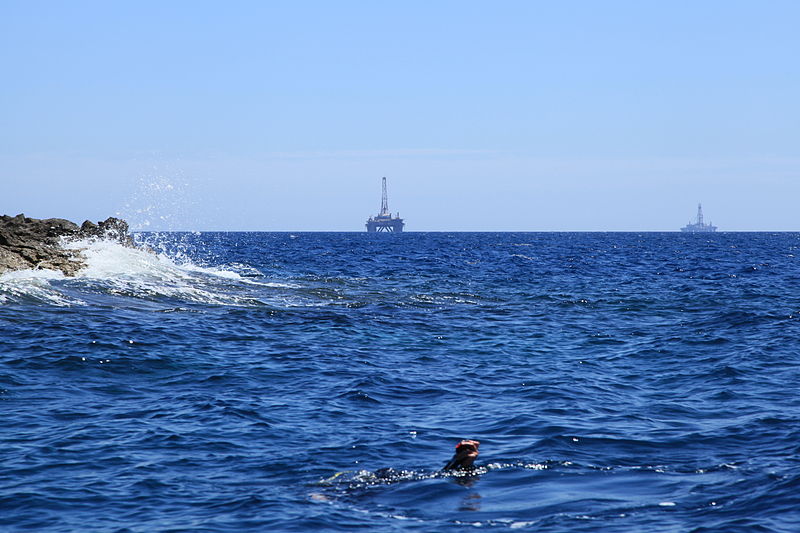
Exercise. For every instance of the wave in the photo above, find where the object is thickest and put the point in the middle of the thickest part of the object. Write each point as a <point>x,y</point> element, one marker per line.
<point>34,287</point>
<point>173,271</point>
<point>114,270</point>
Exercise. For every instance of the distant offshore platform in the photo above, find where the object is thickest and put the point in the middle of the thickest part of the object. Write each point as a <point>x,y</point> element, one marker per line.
<point>384,221</point>
<point>699,226</point>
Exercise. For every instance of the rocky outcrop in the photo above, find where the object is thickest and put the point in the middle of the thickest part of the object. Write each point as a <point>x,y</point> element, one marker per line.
<point>30,243</point>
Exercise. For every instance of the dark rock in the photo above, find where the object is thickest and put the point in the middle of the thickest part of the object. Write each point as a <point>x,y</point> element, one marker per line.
<point>116,229</point>
<point>110,228</point>
<point>88,227</point>
<point>29,243</point>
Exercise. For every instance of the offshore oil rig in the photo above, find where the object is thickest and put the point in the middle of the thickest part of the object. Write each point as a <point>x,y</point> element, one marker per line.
<point>384,221</point>
<point>699,226</point>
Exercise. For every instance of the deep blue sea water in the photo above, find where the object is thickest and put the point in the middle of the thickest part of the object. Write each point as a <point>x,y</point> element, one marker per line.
<point>265,381</point>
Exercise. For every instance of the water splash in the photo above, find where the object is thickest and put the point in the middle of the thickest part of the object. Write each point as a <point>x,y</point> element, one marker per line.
<point>141,273</point>
<point>162,201</point>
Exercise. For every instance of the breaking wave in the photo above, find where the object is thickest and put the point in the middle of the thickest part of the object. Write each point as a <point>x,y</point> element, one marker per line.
<point>145,273</point>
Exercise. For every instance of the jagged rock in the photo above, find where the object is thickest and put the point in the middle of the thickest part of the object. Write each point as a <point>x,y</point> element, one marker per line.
<point>30,243</point>
<point>110,228</point>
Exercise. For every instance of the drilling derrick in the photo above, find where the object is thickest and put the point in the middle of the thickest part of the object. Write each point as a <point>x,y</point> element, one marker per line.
<point>385,221</point>
<point>384,201</point>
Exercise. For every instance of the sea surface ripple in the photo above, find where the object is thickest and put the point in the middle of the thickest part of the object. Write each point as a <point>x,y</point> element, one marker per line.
<point>318,381</point>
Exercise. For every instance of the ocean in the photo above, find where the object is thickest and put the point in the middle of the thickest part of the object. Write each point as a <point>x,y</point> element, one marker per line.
<point>232,382</point>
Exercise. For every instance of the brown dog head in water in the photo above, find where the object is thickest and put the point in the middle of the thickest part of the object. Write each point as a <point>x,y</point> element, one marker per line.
<point>466,453</point>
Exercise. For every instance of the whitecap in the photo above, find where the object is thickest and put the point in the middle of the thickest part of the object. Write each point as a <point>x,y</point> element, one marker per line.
<point>34,286</point>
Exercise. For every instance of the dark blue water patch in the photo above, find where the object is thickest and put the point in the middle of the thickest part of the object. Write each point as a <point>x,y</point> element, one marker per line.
<point>304,382</point>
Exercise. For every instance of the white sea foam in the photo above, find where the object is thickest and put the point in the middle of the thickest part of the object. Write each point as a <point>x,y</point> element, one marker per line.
<point>34,286</point>
<point>29,274</point>
<point>159,269</point>
<point>114,269</point>
<point>107,259</point>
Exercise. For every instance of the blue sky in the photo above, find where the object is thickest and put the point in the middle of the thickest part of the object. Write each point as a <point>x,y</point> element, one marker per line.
<point>484,116</point>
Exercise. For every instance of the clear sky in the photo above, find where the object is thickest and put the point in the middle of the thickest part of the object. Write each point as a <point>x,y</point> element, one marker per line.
<point>484,116</point>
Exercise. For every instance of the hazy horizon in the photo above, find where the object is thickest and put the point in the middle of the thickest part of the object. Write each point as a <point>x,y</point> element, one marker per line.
<point>520,116</point>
